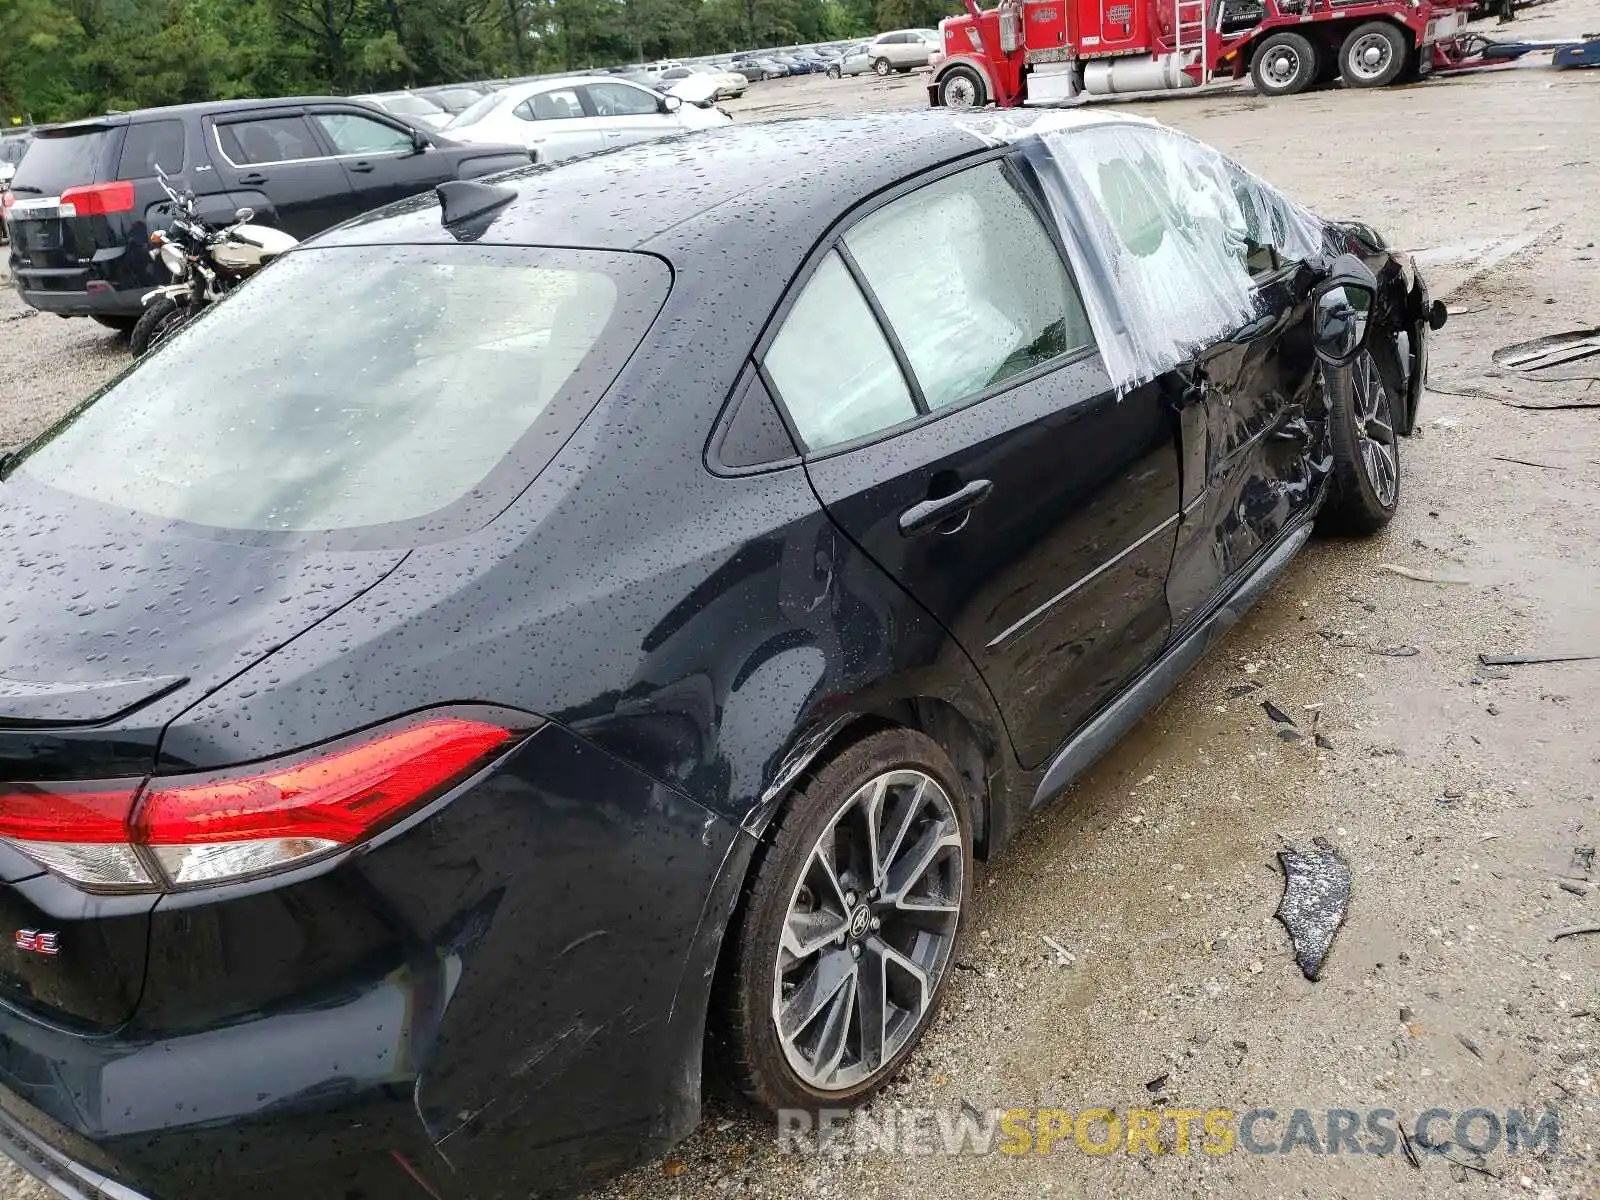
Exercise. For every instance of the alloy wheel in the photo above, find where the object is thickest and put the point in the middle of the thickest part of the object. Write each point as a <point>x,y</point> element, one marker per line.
<point>869,931</point>
<point>1373,411</point>
<point>1369,57</point>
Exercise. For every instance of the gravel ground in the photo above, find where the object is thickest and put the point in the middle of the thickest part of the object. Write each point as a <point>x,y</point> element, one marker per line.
<point>1457,793</point>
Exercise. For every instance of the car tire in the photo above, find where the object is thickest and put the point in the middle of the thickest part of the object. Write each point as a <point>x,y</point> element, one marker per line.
<point>123,325</point>
<point>962,88</point>
<point>881,68</point>
<point>833,72</point>
<point>1374,55</point>
<point>897,953</point>
<point>1364,396</point>
<point>159,321</point>
<point>1284,63</point>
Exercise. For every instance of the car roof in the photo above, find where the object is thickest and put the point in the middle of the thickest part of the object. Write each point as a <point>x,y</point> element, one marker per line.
<point>628,198</point>
<point>203,108</point>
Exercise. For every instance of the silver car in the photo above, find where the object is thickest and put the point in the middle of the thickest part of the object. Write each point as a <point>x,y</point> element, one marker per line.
<point>852,60</point>
<point>903,49</point>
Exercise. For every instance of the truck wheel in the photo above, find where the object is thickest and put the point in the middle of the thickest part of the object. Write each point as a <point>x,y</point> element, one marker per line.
<point>1284,63</point>
<point>1374,55</point>
<point>881,67</point>
<point>962,87</point>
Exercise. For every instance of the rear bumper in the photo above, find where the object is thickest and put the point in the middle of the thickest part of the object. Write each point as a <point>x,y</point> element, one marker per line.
<point>111,285</point>
<point>57,1169</point>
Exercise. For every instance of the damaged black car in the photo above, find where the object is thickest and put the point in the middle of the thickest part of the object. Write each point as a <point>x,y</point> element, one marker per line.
<point>586,645</point>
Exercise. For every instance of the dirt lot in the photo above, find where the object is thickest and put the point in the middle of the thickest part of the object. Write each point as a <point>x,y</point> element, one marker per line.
<point>1458,793</point>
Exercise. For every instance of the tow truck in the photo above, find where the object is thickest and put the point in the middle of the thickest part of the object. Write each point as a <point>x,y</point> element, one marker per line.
<point>1053,51</point>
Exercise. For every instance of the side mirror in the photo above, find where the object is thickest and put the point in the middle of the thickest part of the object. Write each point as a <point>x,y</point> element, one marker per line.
<point>245,214</point>
<point>419,141</point>
<point>1339,320</point>
<point>671,104</point>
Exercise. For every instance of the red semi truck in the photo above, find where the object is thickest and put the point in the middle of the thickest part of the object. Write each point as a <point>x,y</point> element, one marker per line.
<point>1049,51</point>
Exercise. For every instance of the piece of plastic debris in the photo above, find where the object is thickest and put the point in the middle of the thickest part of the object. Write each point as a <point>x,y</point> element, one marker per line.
<point>1419,576</point>
<point>1157,1085</point>
<point>1063,955</point>
<point>1519,660</point>
<point>1316,896</point>
<point>1397,650</point>
<point>1576,886</point>
<point>1276,713</point>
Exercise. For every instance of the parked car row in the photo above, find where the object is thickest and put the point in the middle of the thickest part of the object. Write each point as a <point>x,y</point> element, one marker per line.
<point>86,197</point>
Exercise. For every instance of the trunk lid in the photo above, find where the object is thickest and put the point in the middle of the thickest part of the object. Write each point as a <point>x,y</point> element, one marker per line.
<point>110,625</point>
<point>44,233</point>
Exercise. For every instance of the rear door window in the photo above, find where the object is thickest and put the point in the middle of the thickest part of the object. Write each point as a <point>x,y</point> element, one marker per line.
<point>832,365</point>
<point>268,140</point>
<point>971,284</point>
<point>150,144</point>
<point>559,105</point>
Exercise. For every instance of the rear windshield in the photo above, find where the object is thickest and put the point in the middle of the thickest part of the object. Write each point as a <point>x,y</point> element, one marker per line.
<point>56,162</point>
<point>476,111</point>
<point>352,387</point>
<point>410,106</point>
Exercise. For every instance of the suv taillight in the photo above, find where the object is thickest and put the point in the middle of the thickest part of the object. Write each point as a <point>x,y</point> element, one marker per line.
<point>184,831</point>
<point>97,199</point>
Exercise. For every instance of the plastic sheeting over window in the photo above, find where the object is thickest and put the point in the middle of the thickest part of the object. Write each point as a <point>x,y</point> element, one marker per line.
<point>1166,235</point>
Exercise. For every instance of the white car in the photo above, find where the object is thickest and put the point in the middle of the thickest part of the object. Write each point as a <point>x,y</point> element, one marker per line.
<point>563,118</point>
<point>419,110</point>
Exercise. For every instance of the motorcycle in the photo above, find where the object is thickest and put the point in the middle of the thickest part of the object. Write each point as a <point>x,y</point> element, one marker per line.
<point>205,261</point>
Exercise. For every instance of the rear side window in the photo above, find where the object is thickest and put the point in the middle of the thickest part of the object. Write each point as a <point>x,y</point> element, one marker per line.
<point>151,144</point>
<point>425,382</point>
<point>970,282</point>
<point>57,161</point>
<point>560,105</point>
<point>268,140</point>
<point>832,365</point>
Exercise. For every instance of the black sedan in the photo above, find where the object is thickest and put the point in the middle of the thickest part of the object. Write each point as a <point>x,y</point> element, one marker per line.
<point>492,659</point>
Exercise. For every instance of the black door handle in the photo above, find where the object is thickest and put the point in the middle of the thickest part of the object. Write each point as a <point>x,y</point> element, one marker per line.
<point>363,167</point>
<point>931,514</point>
<point>253,177</point>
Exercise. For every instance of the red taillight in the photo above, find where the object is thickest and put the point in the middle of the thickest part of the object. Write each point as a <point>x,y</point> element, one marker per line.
<point>186,831</point>
<point>7,199</point>
<point>97,199</point>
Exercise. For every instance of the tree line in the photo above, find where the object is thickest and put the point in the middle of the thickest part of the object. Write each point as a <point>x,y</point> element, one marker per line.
<point>61,59</point>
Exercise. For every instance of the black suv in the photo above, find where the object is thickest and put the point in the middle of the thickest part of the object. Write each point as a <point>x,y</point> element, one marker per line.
<point>86,195</point>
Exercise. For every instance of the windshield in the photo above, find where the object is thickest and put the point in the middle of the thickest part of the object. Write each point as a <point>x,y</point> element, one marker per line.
<point>476,111</point>
<point>357,386</point>
<point>455,99</point>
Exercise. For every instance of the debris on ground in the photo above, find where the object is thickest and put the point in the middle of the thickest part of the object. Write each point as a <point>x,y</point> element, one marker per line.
<point>1582,860</point>
<point>1519,660</point>
<point>1316,896</point>
<point>1553,350</point>
<point>1526,462</point>
<point>1576,886</point>
<point>1396,650</point>
<point>1471,1046</point>
<point>1157,1085</point>
<point>1276,713</point>
<point>1064,957</point>
<point>1574,931</point>
<point>1420,576</point>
